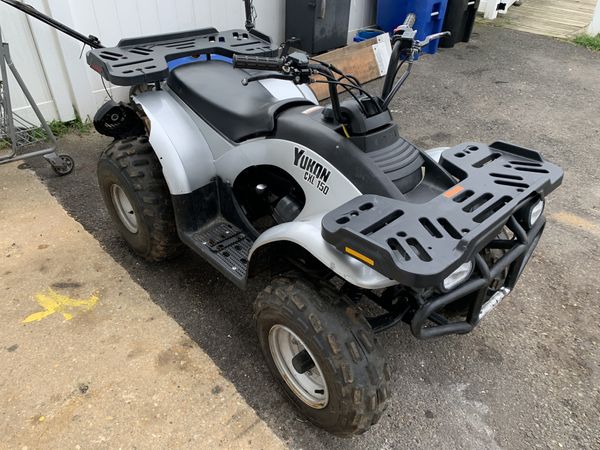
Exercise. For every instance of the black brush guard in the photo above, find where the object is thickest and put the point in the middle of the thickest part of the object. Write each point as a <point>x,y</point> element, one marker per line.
<point>419,245</point>
<point>427,321</point>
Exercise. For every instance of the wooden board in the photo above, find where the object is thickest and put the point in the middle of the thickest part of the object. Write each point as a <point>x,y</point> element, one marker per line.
<point>357,59</point>
<point>557,18</point>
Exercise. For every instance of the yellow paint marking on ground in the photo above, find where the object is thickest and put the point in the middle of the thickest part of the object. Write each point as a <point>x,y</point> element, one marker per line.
<point>53,303</point>
<point>577,222</point>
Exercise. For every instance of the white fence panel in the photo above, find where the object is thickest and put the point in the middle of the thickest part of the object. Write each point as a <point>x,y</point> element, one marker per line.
<point>112,20</point>
<point>362,14</point>
<point>56,69</point>
<point>594,27</point>
<point>16,31</point>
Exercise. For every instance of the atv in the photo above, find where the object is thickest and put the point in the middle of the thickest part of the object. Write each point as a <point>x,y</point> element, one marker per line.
<point>237,160</point>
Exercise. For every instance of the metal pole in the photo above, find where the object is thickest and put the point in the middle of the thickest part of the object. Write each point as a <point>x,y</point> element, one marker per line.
<point>249,9</point>
<point>6,98</point>
<point>92,41</point>
<point>30,98</point>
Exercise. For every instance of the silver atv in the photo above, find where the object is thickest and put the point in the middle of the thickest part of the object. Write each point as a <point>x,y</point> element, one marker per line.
<point>232,156</point>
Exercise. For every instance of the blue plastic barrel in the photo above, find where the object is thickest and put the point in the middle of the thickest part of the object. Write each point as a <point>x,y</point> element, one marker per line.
<point>430,17</point>
<point>363,35</point>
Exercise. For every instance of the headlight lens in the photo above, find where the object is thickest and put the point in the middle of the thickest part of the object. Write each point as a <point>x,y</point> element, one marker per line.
<point>458,276</point>
<point>536,212</point>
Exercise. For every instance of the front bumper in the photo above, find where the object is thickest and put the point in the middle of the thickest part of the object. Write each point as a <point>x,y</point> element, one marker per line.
<point>428,321</point>
<point>419,245</point>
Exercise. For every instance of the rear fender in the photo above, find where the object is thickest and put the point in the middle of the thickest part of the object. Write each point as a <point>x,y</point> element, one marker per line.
<point>182,149</point>
<point>307,234</point>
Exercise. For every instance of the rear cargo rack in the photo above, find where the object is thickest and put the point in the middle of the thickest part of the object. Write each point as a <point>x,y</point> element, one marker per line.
<point>144,60</point>
<point>420,244</point>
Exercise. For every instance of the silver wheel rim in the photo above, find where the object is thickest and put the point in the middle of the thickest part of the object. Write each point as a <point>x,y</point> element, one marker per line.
<point>310,386</point>
<point>124,208</point>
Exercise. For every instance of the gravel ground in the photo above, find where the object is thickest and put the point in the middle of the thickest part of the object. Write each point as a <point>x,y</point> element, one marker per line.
<point>530,375</point>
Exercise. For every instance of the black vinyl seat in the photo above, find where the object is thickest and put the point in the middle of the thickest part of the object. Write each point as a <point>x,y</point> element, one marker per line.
<point>214,91</point>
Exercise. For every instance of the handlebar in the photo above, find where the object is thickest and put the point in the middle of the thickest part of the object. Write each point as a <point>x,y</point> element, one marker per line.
<point>406,47</point>
<point>410,20</point>
<point>258,62</point>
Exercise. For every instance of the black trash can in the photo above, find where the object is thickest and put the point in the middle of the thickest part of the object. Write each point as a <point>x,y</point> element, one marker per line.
<point>320,25</point>
<point>460,17</point>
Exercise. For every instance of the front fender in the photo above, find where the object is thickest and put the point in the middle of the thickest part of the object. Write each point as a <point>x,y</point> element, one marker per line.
<point>307,234</point>
<point>436,153</point>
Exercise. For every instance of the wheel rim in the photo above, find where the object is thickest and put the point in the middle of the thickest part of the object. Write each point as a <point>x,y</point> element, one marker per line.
<point>124,208</point>
<point>310,386</point>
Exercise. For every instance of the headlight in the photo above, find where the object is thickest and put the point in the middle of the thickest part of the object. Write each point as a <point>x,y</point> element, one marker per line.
<point>458,276</point>
<point>536,212</point>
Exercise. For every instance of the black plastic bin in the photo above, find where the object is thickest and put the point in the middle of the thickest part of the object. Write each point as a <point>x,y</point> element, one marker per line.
<point>320,25</point>
<point>460,17</point>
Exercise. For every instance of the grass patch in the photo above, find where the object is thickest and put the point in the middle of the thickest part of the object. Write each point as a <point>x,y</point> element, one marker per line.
<point>587,41</point>
<point>78,126</point>
<point>34,135</point>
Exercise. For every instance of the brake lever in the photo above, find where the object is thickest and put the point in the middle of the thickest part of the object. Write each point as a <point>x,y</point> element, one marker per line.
<point>433,37</point>
<point>277,76</point>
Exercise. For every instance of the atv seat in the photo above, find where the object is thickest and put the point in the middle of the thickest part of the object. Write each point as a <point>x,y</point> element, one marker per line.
<point>214,91</point>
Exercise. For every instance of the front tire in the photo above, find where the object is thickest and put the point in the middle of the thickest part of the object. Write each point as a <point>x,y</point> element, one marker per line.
<point>324,354</point>
<point>137,198</point>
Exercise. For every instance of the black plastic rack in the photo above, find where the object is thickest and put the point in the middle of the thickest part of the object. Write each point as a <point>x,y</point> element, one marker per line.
<point>145,59</point>
<point>421,244</point>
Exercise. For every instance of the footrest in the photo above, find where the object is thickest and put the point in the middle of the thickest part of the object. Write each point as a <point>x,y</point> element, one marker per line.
<point>421,244</point>
<point>226,247</point>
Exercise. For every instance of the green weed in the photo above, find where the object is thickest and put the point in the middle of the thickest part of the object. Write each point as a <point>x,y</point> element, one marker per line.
<point>591,42</point>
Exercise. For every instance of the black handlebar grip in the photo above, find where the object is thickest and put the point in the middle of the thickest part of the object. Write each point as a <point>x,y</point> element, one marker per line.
<point>257,62</point>
<point>410,20</point>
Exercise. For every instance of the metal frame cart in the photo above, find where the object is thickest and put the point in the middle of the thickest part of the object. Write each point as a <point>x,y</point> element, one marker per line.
<point>16,132</point>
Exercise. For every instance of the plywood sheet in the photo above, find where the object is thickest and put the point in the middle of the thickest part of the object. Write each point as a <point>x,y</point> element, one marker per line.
<point>357,59</point>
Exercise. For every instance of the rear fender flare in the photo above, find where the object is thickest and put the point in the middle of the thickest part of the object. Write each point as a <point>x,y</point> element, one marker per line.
<point>181,148</point>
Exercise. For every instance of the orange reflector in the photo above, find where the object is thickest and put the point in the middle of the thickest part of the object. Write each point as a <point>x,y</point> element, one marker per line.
<point>453,191</point>
<point>360,256</point>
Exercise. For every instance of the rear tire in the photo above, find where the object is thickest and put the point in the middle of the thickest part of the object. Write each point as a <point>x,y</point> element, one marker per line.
<point>138,199</point>
<point>346,358</point>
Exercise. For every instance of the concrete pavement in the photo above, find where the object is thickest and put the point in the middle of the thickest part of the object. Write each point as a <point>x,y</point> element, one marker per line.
<point>88,360</point>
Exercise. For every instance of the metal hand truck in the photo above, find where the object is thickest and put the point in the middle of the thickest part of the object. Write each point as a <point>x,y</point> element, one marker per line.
<point>17,134</point>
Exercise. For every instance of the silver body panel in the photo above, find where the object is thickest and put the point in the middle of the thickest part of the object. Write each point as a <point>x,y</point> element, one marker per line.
<point>281,90</point>
<point>193,153</point>
<point>436,153</point>
<point>282,154</point>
